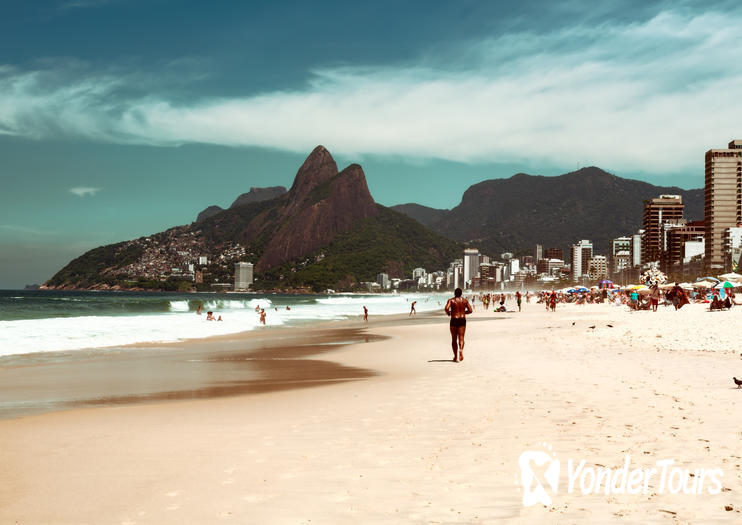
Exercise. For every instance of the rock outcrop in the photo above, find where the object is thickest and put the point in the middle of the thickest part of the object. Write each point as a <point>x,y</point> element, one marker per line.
<point>320,204</point>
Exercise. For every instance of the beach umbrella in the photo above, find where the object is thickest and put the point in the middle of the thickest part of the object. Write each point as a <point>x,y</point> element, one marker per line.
<point>708,279</point>
<point>725,284</point>
<point>731,276</point>
<point>571,290</point>
<point>581,289</point>
<point>703,284</point>
<point>686,286</point>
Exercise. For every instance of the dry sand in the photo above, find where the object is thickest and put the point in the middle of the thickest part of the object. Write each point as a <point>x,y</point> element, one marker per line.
<point>425,441</point>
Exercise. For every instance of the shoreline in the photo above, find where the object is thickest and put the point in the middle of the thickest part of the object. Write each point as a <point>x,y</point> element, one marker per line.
<point>268,359</point>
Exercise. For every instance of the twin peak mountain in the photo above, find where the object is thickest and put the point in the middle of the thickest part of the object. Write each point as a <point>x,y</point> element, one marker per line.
<point>321,203</point>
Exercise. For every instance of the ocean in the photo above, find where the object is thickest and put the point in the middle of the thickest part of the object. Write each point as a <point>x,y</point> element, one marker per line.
<point>51,321</point>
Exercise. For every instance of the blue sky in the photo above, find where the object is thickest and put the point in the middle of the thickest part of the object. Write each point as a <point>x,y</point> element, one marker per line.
<point>120,118</point>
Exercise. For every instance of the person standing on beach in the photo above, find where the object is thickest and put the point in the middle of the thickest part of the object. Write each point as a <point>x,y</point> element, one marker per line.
<point>365,314</point>
<point>457,307</point>
<point>262,316</point>
<point>412,308</point>
<point>654,297</point>
<point>518,298</point>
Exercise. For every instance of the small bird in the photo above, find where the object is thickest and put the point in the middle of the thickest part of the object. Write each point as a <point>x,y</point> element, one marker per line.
<point>737,382</point>
<point>591,327</point>
<point>573,323</point>
<point>609,325</point>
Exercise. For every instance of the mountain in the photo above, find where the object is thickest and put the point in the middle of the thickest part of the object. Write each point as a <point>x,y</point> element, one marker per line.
<point>259,195</point>
<point>517,213</point>
<point>325,232</point>
<point>209,212</point>
<point>422,214</point>
<point>254,195</point>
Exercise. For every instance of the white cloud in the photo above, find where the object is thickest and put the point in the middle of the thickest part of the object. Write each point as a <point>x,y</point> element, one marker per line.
<point>82,191</point>
<point>14,228</point>
<point>83,4</point>
<point>638,97</point>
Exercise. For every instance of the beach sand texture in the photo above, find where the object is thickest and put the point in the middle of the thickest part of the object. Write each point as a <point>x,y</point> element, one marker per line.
<point>424,441</point>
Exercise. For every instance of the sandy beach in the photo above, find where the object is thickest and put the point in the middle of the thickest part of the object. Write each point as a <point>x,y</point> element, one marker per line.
<point>415,438</point>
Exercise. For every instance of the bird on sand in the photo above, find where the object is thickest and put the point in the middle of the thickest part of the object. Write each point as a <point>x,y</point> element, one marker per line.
<point>591,327</point>
<point>609,325</point>
<point>737,382</point>
<point>573,323</point>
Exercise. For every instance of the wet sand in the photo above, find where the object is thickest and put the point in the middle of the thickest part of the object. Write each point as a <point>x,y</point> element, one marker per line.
<point>252,362</point>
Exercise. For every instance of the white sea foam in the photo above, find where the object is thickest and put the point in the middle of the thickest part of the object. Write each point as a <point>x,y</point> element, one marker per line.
<point>70,333</point>
<point>179,306</point>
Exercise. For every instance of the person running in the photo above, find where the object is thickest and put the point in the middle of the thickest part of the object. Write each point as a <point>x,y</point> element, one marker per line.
<point>518,298</point>
<point>412,308</point>
<point>457,307</point>
<point>365,314</point>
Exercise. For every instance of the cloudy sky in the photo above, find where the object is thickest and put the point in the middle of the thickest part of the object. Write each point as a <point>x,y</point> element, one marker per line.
<point>120,118</point>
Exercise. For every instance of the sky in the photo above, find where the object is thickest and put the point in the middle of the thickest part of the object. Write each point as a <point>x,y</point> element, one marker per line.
<point>121,118</point>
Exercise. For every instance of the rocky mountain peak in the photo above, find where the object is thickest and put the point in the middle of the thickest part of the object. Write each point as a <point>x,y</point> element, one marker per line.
<point>318,168</point>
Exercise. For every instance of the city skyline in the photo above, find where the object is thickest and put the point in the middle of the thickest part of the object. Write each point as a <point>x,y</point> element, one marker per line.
<point>123,118</point>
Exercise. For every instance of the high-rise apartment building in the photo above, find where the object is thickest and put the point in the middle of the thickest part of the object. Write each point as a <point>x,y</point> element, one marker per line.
<point>636,248</point>
<point>675,242</point>
<point>723,206</point>
<point>598,267</point>
<point>619,255</point>
<point>243,276</point>
<point>665,208</point>
<point>538,253</point>
<point>471,264</point>
<point>581,253</point>
<point>550,266</point>
<point>554,253</point>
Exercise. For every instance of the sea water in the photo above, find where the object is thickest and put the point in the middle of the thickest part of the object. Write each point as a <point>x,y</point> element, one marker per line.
<point>48,321</point>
